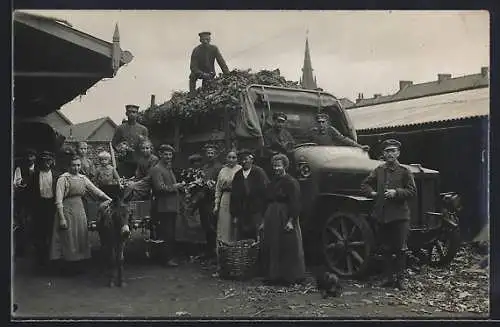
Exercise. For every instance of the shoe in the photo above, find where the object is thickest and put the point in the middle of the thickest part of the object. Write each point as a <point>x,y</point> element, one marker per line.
<point>388,283</point>
<point>399,284</point>
<point>172,263</point>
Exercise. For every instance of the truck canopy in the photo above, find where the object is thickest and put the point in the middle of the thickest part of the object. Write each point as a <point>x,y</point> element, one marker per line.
<point>259,102</point>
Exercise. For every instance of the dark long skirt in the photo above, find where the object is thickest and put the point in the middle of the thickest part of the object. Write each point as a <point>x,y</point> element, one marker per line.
<point>282,252</point>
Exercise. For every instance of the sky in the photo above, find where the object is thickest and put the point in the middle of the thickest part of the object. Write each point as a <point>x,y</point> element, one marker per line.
<point>351,51</point>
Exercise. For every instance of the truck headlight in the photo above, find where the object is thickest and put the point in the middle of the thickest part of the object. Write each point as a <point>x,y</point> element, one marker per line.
<point>304,170</point>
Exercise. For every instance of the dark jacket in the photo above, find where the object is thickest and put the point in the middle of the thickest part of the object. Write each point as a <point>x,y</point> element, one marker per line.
<point>34,185</point>
<point>203,60</point>
<point>166,197</point>
<point>384,177</point>
<point>131,134</point>
<point>331,136</point>
<point>248,198</point>
<point>275,141</point>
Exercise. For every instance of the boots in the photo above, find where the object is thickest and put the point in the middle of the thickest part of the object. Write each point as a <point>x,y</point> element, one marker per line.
<point>389,276</point>
<point>400,266</point>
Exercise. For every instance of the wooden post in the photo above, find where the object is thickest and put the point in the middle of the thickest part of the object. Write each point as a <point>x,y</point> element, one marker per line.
<point>227,132</point>
<point>113,158</point>
<point>177,132</point>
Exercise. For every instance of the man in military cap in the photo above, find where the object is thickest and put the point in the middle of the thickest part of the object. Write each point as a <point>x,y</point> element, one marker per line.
<point>325,134</point>
<point>131,131</point>
<point>391,185</point>
<point>277,139</point>
<point>203,60</point>
<point>211,168</point>
<point>43,189</point>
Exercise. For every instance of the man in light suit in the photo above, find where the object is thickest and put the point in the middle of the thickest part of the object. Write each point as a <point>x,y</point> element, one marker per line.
<point>165,203</point>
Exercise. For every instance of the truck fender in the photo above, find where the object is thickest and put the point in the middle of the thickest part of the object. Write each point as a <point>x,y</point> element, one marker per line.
<point>357,203</point>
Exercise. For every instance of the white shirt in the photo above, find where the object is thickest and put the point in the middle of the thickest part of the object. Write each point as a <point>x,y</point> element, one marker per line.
<point>18,178</point>
<point>46,181</point>
<point>246,173</point>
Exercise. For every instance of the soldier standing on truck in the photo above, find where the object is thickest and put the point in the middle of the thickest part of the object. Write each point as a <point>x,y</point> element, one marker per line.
<point>391,185</point>
<point>203,60</point>
<point>326,134</point>
<point>277,139</point>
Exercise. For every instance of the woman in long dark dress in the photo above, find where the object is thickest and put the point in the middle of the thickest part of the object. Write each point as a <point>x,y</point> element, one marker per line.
<point>282,250</point>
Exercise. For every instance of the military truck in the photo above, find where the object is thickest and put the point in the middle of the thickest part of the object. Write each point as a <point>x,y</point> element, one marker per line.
<point>336,217</point>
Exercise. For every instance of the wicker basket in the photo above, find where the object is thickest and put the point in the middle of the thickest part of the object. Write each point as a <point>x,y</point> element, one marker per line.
<point>238,259</point>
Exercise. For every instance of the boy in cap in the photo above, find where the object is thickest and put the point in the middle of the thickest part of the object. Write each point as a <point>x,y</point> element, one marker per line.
<point>43,190</point>
<point>277,139</point>
<point>203,60</point>
<point>326,134</point>
<point>131,132</point>
<point>165,204</point>
<point>391,185</point>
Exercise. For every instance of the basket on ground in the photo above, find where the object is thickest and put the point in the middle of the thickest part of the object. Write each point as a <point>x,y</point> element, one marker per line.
<point>238,259</point>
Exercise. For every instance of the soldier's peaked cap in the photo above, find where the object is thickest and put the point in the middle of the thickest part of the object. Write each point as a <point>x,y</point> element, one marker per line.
<point>279,116</point>
<point>210,146</point>
<point>204,33</point>
<point>322,116</point>
<point>166,147</point>
<point>132,107</point>
<point>246,152</point>
<point>391,143</point>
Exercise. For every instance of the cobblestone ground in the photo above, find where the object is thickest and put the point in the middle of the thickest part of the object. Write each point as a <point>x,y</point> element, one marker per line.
<point>460,291</point>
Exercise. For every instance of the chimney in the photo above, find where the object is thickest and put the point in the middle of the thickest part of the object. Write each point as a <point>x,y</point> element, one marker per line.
<point>360,97</point>
<point>153,102</point>
<point>404,84</point>
<point>442,77</point>
<point>484,71</point>
<point>377,95</point>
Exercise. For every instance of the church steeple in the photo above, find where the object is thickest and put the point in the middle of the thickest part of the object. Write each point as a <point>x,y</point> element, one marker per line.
<point>308,81</point>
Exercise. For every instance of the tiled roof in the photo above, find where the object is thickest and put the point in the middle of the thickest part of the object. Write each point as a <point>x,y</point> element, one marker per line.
<point>82,131</point>
<point>445,107</point>
<point>430,88</point>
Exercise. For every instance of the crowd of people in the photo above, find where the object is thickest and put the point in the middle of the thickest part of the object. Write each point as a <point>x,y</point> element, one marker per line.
<point>232,201</point>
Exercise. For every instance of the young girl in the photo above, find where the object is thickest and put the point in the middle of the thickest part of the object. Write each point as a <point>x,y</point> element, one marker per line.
<point>106,174</point>
<point>146,159</point>
<point>87,168</point>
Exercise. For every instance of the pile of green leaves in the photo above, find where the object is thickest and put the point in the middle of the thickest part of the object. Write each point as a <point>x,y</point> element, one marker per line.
<point>223,93</point>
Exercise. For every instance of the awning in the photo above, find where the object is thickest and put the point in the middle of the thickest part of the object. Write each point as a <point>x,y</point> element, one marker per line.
<point>54,63</point>
<point>438,108</point>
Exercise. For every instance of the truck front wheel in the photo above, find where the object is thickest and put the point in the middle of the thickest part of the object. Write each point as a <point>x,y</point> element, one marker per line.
<point>348,242</point>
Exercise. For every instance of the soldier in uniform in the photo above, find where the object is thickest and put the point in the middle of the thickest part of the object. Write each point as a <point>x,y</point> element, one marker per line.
<point>326,134</point>
<point>391,185</point>
<point>211,168</point>
<point>131,131</point>
<point>203,60</point>
<point>277,139</point>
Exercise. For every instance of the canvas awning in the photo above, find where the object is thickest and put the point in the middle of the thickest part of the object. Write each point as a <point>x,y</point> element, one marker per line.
<point>438,108</point>
<point>54,63</point>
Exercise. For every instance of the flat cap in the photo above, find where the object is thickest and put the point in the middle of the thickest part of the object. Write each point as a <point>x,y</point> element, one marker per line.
<point>204,33</point>
<point>132,107</point>
<point>391,143</point>
<point>210,146</point>
<point>246,152</point>
<point>280,116</point>
<point>322,116</point>
<point>195,158</point>
<point>46,155</point>
<point>166,147</point>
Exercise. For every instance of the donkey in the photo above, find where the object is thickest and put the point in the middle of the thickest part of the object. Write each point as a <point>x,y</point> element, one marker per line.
<point>113,229</point>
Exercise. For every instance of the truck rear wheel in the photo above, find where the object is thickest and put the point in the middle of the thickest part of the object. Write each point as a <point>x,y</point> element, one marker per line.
<point>348,242</point>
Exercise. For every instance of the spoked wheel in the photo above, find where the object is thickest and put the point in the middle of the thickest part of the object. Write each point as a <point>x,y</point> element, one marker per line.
<point>348,242</point>
<point>444,248</point>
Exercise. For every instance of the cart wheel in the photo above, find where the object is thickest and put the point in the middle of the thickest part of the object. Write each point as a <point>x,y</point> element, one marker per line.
<point>445,247</point>
<point>348,243</point>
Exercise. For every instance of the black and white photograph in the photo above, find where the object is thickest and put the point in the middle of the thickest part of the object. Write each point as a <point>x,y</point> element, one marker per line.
<point>208,164</point>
